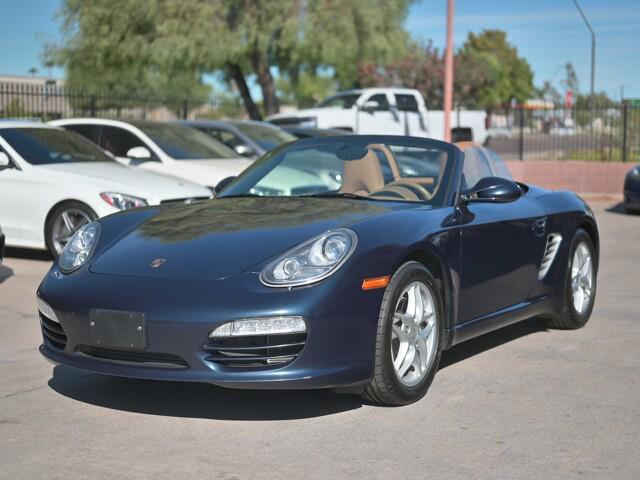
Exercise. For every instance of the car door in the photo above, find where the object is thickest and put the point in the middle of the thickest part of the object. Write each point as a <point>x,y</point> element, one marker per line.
<point>502,247</point>
<point>119,141</point>
<point>380,119</point>
<point>12,197</point>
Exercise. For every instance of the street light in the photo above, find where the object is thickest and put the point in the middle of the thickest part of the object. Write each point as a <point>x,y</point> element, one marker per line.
<point>593,51</point>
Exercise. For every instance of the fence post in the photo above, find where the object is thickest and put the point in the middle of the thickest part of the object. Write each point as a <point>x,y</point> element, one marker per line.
<point>625,123</point>
<point>521,138</point>
<point>185,109</point>
<point>92,105</point>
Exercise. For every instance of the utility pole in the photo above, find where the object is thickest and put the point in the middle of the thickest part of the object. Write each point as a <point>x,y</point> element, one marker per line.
<point>448,73</point>
<point>593,52</point>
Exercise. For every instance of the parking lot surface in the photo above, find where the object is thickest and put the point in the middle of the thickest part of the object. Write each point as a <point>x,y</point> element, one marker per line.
<point>522,402</point>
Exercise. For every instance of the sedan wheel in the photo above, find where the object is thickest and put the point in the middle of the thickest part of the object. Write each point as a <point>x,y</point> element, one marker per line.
<point>413,335</point>
<point>63,223</point>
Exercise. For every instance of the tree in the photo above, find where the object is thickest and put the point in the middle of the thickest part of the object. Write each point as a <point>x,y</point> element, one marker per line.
<point>421,68</point>
<point>495,70</point>
<point>167,45</point>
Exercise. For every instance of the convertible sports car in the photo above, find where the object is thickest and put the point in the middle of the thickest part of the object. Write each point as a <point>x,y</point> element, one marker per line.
<point>334,278</point>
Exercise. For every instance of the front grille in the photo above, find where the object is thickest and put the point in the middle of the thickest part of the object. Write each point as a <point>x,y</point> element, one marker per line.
<point>53,333</point>
<point>137,358</point>
<point>255,351</point>
<point>183,200</point>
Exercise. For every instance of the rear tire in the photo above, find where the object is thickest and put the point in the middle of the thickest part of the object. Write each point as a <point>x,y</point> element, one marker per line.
<point>575,312</point>
<point>63,222</point>
<point>393,382</point>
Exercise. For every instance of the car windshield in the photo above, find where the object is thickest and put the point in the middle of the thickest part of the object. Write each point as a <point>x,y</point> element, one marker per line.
<point>266,136</point>
<point>356,167</point>
<point>41,146</point>
<point>340,101</point>
<point>185,143</point>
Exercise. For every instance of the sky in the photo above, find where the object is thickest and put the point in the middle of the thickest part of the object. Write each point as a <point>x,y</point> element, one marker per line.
<point>548,33</point>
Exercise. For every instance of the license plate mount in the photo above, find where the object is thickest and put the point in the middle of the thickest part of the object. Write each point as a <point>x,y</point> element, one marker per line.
<point>118,329</point>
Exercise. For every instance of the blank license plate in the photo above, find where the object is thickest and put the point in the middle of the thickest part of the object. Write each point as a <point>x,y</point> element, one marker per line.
<point>111,328</point>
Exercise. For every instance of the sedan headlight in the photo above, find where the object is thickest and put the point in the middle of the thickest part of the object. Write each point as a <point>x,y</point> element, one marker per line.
<point>122,201</point>
<point>312,261</point>
<point>80,248</point>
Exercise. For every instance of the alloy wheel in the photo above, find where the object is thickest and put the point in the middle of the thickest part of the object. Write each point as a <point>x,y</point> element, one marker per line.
<point>582,278</point>
<point>414,334</point>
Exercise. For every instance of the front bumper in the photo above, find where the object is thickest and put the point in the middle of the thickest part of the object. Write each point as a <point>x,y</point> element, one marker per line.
<point>632,200</point>
<point>338,351</point>
<point>2,240</point>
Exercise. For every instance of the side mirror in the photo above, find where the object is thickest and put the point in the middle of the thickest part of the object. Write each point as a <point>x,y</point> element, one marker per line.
<point>244,150</point>
<point>4,161</point>
<point>493,190</point>
<point>370,106</point>
<point>139,153</point>
<point>222,184</point>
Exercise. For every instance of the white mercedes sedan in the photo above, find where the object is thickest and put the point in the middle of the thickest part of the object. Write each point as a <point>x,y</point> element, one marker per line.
<point>162,147</point>
<point>53,181</point>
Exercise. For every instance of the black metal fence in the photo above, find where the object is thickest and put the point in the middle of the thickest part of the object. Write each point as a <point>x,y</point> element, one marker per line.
<point>49,101</point>
<point>605,133</point>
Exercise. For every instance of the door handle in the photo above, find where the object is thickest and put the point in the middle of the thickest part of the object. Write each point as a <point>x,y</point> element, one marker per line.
<point>539,227</point>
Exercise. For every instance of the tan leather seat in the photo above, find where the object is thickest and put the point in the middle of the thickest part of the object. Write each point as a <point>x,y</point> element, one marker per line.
<point>362,176</point>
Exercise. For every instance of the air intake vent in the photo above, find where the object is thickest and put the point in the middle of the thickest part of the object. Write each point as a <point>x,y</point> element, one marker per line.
<point>133,357</point>
<point>255,351</point>
<point>550,251</point>
<point>53,333</point>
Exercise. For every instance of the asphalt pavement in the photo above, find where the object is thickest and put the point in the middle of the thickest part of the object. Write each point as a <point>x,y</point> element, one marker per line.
<point>522,402</point>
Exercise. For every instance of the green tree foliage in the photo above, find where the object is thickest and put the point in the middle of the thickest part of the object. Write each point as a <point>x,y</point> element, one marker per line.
<point>495,74</point>
<point>161,46</point>
<point>488,72</point>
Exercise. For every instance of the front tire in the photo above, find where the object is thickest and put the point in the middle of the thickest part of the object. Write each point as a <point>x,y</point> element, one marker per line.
<point>408,339</point>
<point>579,290</point>
<point>63,222</point>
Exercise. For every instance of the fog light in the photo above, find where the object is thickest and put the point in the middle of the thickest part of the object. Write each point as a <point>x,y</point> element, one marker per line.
<point>260,326</point>
<point>46,310</point>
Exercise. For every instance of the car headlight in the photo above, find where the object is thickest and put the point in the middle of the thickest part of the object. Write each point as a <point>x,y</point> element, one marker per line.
<point>311,261</point>
<point>122,201</point>
<point>80,248</point>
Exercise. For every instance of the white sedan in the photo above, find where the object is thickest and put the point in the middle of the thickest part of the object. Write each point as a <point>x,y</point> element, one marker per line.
<point>53,181</point>
<point>162,147</point>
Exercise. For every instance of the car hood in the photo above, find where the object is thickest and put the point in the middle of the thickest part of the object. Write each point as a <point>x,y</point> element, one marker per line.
<point>114,177</point>
<point>209,172</point>
<point>223,237</point>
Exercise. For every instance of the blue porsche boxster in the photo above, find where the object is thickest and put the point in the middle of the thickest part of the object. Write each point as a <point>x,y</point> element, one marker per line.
<point>346,262</point>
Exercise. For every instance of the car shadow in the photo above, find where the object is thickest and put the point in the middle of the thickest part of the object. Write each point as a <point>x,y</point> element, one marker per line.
<point>491,340</point>
<point>27,254</point>
<point>199,400</point>
<point>5,272</point>
<point>619,208</point>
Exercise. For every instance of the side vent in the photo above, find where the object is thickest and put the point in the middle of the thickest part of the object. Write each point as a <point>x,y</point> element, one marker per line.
<point>550,251</point>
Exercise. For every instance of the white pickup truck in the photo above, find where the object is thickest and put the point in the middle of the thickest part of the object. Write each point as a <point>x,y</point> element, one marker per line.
<point>388,111</point>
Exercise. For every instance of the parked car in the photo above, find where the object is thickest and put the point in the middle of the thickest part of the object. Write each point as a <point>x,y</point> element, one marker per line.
<point>359,286</point>
<point>161,147</point>
<point>388,111</point>
<point>632,190</point>
<point>309,132</point>
<point>248,138</point>
<point>1,245</point>
<point>53,181</point>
